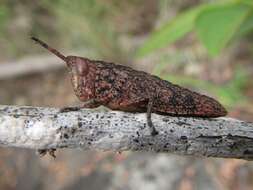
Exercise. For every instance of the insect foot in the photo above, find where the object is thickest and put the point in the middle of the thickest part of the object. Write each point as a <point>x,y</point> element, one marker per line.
<point>154,132</point>
<point>69,109</point>
<point>43,152</point>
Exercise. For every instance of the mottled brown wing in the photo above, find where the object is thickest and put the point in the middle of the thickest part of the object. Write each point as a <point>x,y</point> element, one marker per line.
<point>175,100</point>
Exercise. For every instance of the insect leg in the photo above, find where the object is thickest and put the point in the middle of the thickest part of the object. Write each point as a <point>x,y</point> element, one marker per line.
<point>149,121</point>
<point>92,103</point>
<point>69,109</point>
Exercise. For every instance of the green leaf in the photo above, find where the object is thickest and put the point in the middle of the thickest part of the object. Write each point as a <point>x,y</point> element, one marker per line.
<point>170,32</point>
<point>248,2</point>
<point>4,15</point>
<point>247,26</point>
<point>216,25</point>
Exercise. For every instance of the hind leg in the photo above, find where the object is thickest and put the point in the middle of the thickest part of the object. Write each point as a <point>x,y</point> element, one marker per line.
<point>140,105</point>
<point>154,132</point>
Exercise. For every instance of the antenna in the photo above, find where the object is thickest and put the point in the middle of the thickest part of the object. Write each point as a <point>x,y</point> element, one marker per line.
<point>54,51</point>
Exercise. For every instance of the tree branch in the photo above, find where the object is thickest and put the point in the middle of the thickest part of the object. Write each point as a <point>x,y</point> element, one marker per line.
<point>45,128</point>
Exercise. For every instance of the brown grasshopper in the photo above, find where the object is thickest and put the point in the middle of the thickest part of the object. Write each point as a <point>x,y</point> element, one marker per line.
<point>122,88</point>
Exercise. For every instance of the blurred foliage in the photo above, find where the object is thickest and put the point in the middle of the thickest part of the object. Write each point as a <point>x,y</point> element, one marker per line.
<point>87,23</point>
<point>4,15</point>
<point>100,26</point>
<point>170,32</point>
<point>215,23</point>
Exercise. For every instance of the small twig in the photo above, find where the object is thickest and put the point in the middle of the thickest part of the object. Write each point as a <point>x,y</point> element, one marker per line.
<point>29,65</point>
<point>47,128</point>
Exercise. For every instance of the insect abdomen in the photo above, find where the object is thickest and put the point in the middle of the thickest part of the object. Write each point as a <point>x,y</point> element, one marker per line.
<point>180,101</point>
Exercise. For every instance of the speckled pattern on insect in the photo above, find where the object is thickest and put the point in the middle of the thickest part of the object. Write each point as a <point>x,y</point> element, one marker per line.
<point>122,88</point>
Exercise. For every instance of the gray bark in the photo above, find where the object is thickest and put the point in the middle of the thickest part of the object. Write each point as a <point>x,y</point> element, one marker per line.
<point>46,128</point>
